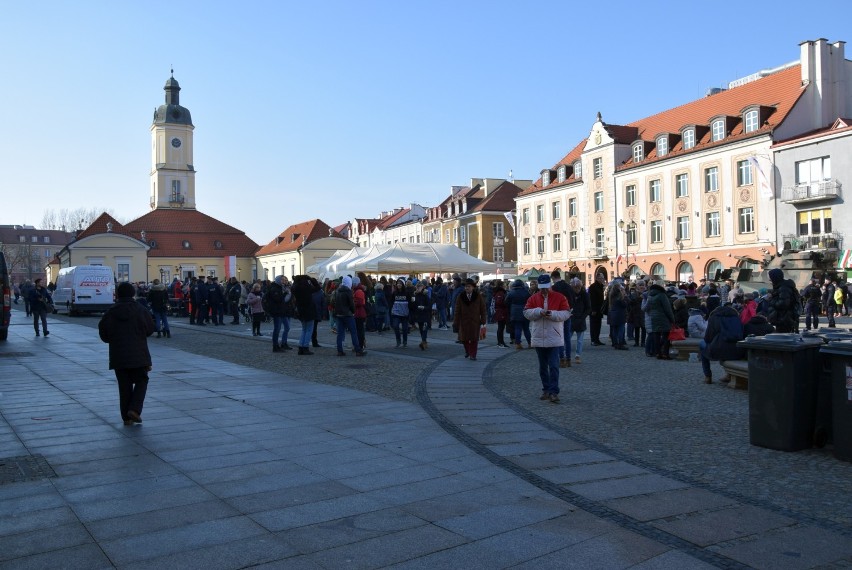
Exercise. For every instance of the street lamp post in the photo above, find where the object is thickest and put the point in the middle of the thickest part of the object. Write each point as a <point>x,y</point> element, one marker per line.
<point>627,229</point>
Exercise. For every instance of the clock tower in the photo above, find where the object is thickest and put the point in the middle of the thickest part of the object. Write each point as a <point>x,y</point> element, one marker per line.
<point>172,172</point>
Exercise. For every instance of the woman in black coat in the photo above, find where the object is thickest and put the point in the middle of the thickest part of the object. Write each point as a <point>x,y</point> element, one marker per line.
<point>303,293</point>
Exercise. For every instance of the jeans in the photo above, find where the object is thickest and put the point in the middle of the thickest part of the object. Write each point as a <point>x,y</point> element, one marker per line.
<point>522,327</point>
<point>595,322</point>
<point>705,362</point>
<point>307,333</point>
<point>400,327</point>
<point>501,327</point>
<point>424,330</point>
<point>548,368</point>
<point>344,324</point>
<point>565,349</point>
<point>618,334</point>
<point>442,316</point>
<point>279,323</point>
<point>580,335</point>
<point>39,314</point>
<point>161,322</point>
<point>812,311</point>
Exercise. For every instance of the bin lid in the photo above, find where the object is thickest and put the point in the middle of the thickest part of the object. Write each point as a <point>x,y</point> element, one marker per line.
<point>840,347</point>
<point>828,335</point>
<point>785,342</point>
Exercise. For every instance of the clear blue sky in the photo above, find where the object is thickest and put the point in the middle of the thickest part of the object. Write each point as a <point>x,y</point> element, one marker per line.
<point>335,110</point>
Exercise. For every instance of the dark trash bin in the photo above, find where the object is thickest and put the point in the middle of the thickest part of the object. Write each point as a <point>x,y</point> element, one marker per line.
<point>840,354</point>
<point>783,373</point>
<point>823,423</point>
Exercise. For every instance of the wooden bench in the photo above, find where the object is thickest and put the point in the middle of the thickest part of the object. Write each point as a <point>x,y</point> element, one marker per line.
<point>738,372</point>
<point>686,347</point>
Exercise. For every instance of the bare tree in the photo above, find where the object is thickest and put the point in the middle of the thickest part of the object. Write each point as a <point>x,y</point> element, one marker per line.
<point>70,220</point>
<point>22,258</point>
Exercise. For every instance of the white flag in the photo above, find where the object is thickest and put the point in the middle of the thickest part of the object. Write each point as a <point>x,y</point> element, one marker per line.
<point>511,219</point>
<point>762,179</point>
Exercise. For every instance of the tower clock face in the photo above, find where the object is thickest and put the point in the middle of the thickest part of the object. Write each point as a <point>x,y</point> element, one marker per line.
<point>176,142</point>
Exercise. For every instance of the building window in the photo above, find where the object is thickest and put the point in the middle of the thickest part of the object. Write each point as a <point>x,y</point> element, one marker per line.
<point>600,237</point>
<point>632,234</point>
<point>525,216</point>
<point>682,185</point>
<point>560,174</point>
<point>526,246</point>
<point>714,226</point>
<point>455,235</point>
<point>46,239</point>
<point>743,173</point>
<point>688,139</point>
<point>557,242</point>
<point>498,254</point>
<point>662,146</point>
<point>598,167</point>
<point>572,240</point>
<point>176,191</point>
<point>751,121</point>
<point>47,253</point>
<point>718,130</point>
<point>540,245</point>
<point>22,239</point>
<point>746,216</point>
<point>630,192</point>
<point>657,231</point>
<point>557,209</point>
<point>638,153</point>
<point>599,202</point>
<point>572,207</point>
<point>655,191</point>
<point>539,213</point>
<point>814,222</point>
<point>683,227</point>
<point>447,238</point>
<point>497,229</point>
<point>122,272</point>
<point>463,233</point>
<point>813,171</point>
<point>34,239</point>
<point>578,170</point>
<point>711,179</point>
<point>545,178</point>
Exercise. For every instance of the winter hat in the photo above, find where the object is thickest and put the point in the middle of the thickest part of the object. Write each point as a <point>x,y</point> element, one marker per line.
<point>776,275</point>
<point>279,279</point>
<point>356,280</point>
<point>544,281</point>
<point>517,284</point>
<point>125,290</point>
<point>347,282</point>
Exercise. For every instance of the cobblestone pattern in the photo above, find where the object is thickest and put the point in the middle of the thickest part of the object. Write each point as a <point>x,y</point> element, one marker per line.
<point>661,415</point>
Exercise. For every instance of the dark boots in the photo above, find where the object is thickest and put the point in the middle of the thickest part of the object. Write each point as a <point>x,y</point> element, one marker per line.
<point>304,350</point>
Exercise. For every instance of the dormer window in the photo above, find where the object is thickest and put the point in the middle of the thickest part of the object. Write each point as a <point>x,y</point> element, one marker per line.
<point>578,169</point>
<point>662,145</point>
<point>560,174</point>
<point>638,152</point>
<point>751,120</point>
<point>688,136</point>
<point>718,129</point>
<point>545,178</point>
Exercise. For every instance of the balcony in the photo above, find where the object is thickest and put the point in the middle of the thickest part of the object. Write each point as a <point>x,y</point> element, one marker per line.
<point>599,253</point>
<point>176,199</point>
<point>815,191</point>
<point>831,240</point>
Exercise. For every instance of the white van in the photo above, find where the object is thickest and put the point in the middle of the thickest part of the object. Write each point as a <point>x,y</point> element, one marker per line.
<point>84,289</point>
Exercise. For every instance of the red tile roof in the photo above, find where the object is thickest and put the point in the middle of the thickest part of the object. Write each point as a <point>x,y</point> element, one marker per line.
<point>776,93</point>
<point>569,159</point>
<point>840,125</point>
<point>501,199</point>
<point>389,221</point>
<point>296,235</point>
<point>207,236</point>
<point>99,226</point>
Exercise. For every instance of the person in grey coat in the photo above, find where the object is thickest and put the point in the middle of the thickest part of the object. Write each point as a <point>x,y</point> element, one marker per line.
<point>126,327</point>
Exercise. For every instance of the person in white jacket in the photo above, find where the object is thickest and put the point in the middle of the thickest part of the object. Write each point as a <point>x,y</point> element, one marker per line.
<point>696,325</point>
<point>546,311</point>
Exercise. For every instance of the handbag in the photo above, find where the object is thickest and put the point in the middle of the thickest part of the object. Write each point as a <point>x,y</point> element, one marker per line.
<point>676,333</point>
<point>482,332</point>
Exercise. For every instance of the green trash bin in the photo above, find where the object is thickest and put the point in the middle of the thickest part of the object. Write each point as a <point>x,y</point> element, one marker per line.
<point>783,374</point>
<point>840,353</point>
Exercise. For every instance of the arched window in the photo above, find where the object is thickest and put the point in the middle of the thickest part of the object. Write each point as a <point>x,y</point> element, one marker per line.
<point>634,272</point>
<point>685,273</point>
<point>713,266</point>
<point>658,270</point>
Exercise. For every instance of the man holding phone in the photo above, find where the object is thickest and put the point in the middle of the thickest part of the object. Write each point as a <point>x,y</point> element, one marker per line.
<point>547,310</point>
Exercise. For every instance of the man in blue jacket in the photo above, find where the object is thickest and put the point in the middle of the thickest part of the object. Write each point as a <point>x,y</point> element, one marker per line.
<point>724,331</point>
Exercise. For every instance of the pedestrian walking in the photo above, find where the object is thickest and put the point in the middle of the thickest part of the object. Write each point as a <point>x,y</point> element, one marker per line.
<point>40,303</point>
<point>469,317</point>
<point>562,287</point>
<point>255,307</point>
<point>126,327</point>
<point>344,313</point>
<point>500,314</point>
<point>158,301</point>
<point>596,297</point>
<point>400,311</point>
<point>303,292</point>
<point>516,299</point>
<point>421,309</point>
<point>546,311</point>
<point>580,310</point>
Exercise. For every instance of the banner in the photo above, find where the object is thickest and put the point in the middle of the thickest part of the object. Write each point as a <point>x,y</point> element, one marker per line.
<point>511,219</point>
<point>762,179</point>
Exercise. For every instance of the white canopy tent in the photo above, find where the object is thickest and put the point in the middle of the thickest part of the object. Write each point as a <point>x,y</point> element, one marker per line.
<point>318,268</point>
<point>351,265</point>
<point>421,258</point>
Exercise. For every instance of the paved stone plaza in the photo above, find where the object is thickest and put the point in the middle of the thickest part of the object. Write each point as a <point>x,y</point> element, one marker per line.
<point>405,458</point>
